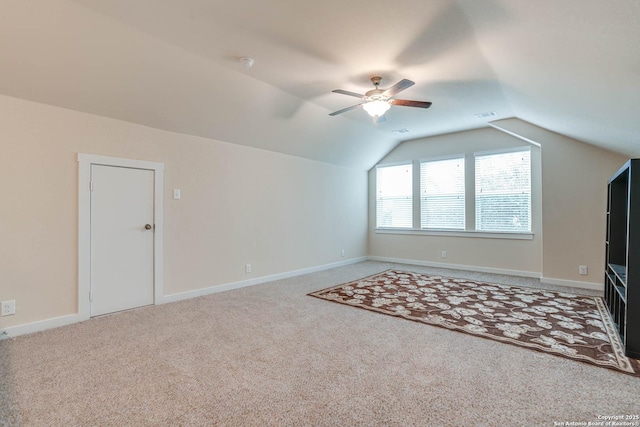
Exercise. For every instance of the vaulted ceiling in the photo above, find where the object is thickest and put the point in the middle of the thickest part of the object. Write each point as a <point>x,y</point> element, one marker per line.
<point>571,66</point>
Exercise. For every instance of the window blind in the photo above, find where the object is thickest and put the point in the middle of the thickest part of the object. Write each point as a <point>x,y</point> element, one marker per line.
<point>442,202</point>
<point>394,196</point>
<point>503,191</point>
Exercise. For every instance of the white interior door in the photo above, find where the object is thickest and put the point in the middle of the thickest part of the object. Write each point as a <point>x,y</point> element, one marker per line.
<point>122,238</point>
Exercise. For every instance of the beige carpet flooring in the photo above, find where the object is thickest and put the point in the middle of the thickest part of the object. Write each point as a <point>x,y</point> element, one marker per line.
<point>270,355</point>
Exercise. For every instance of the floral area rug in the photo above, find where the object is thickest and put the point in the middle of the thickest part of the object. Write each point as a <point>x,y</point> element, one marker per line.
<point>576,327</point>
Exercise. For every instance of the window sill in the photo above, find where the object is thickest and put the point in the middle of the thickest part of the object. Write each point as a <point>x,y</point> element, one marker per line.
<point>457,233</point>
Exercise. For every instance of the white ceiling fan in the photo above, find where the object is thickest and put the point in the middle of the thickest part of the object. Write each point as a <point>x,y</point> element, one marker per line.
<point>377,102</point>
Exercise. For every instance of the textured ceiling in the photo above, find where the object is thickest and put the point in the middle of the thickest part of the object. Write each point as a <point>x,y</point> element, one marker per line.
<point>571,66</point>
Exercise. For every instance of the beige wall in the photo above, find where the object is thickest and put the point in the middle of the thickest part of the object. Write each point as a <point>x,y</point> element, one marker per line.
<point>574,183</point>
<point>280,213</point>
<point>239,205</point>
<point>569,203</point>
<point>489,253</point>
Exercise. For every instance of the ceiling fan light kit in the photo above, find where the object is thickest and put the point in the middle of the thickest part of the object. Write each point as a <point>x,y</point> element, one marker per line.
<point>377,107</point>
<point>377,102</point>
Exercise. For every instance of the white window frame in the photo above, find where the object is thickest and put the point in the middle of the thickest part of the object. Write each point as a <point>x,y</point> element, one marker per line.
<point>413,191</point>
<point>440,159</point>
<point>469,200</point>
<point>507,151</point>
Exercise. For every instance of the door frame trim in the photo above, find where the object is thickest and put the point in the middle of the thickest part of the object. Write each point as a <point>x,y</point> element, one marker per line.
<point>85,161</point>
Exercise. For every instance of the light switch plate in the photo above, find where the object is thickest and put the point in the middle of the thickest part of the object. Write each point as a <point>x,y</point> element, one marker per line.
<point>176,194</point>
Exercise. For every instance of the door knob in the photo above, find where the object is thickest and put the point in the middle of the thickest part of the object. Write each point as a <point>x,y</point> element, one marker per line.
<point>148,227</point>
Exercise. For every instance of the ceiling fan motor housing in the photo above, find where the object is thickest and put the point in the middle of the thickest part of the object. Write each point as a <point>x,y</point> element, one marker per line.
<point>375,94</point>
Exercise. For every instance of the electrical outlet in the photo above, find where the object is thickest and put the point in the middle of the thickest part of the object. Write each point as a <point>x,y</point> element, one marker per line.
<point>247,268</point>
<point>8,308</point>
<point>342,253</point>
<point>582,269</point>
<point>443,254</point>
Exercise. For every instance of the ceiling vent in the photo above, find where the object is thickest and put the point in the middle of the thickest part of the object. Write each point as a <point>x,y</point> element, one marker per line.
<point>486,115</point>
<point>403,130</point>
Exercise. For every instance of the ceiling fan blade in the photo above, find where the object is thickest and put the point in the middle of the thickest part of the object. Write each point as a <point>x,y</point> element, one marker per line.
<point>346,92</point>
<point>407,103</point>
<point>398,87</point>
<point>344,110</point>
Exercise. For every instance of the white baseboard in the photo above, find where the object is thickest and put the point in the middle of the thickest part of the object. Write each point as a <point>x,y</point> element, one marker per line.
<point>519,273</point>
<point>572,283</point>
<point>257,281</point>
<point>55,322</point>
<point>479,269</point>
<point>41,325</point>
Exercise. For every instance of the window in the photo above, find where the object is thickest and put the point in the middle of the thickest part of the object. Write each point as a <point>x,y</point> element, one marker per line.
<point>503,191</point>
<point>442,194</point>
<point>487,194</point>
<point>394,201</point>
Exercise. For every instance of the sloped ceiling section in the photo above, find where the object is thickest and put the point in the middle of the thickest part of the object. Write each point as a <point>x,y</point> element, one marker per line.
<point>61,53</point>
<point>571,66</point>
